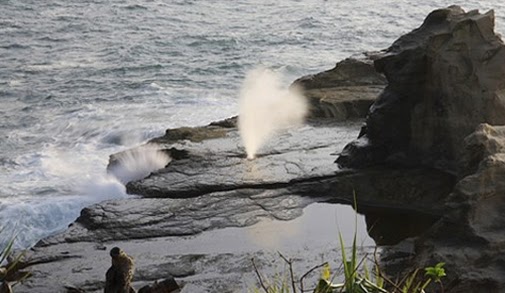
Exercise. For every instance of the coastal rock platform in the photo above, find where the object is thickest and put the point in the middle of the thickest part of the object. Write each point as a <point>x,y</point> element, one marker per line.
<point>212,188</point>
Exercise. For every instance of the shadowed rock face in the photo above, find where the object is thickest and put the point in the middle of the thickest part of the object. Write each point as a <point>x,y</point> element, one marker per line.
<point>444,78</point>
<point>470,238</point>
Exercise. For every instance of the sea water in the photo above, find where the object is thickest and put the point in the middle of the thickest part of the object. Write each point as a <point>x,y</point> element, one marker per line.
<point>80,80</point>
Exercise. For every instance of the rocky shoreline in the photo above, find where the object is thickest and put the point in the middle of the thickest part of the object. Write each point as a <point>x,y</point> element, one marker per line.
<point>426,172</point>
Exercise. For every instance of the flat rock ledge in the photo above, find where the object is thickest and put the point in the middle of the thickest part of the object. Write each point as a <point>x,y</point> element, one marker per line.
<point>345,91</point>
<point>210,186</point>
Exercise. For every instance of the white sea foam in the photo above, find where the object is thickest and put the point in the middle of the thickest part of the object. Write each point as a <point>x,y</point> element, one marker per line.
<point>138,163</point>
<point>265,107</point>
<point>54,183</point>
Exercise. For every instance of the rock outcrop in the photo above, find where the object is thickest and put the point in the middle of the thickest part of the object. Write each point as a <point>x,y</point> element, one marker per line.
<point>444,78</point>
<point>470,238</point>
<point>346,91</point>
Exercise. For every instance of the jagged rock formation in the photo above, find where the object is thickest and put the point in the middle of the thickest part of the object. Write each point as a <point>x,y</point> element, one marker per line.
<point>444,78</point>
<point>470,238</point>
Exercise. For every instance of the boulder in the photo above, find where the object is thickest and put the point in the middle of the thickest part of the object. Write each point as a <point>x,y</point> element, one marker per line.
<point>167,285</point>
<point>344,92</point>
<point>470,237</point>
<point>444,78</point>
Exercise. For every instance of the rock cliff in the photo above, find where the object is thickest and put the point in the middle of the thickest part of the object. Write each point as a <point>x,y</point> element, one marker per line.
<point>444,78</point>
<point>470,237</point>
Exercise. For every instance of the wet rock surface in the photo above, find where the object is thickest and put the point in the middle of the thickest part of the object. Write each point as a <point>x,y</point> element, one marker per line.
<point>220,164</point>
<point>213,187</point>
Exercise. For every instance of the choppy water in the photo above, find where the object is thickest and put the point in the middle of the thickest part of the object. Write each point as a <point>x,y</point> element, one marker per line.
<point>80,80</point>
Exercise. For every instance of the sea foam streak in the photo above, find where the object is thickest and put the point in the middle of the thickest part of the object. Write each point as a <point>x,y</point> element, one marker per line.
<point>265,107</point>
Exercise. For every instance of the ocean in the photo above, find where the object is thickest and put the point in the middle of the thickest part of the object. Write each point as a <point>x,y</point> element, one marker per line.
<point>80,80</point>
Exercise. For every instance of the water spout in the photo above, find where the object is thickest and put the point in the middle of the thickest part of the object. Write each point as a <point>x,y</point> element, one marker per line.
<point>266,107</point>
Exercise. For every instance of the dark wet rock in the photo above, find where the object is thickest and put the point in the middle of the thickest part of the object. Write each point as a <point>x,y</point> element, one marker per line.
<point>226,123</point>
<point>444,78</point>
<point>165,286</point>
<point>220,164</point>
<point>470,236</point>
<point>346,91</point>
<point>137,153</point>
<point>193,134</point>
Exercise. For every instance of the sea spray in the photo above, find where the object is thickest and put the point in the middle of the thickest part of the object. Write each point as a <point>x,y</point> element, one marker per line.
<point>138,163</point>
<point>265,107</point>
<point>67,181</point>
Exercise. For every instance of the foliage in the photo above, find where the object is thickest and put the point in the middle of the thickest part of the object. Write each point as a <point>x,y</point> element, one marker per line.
<point>11,265</point>
<point>436,272</point>
<point>357,277</point>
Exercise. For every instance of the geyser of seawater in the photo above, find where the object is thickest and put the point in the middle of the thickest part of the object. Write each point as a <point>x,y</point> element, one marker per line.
<point>266,107</point>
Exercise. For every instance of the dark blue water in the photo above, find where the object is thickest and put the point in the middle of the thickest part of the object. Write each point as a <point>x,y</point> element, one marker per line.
<point>80,80</point>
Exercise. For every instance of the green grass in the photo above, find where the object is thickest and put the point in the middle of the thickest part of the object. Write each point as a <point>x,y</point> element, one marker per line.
<point>358,278</point>
<point>11,265</point>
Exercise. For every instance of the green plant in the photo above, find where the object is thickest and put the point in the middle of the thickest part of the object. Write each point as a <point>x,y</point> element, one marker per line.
<point>436,274</point>
<point>358,278</point>
<point>11,266</point>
